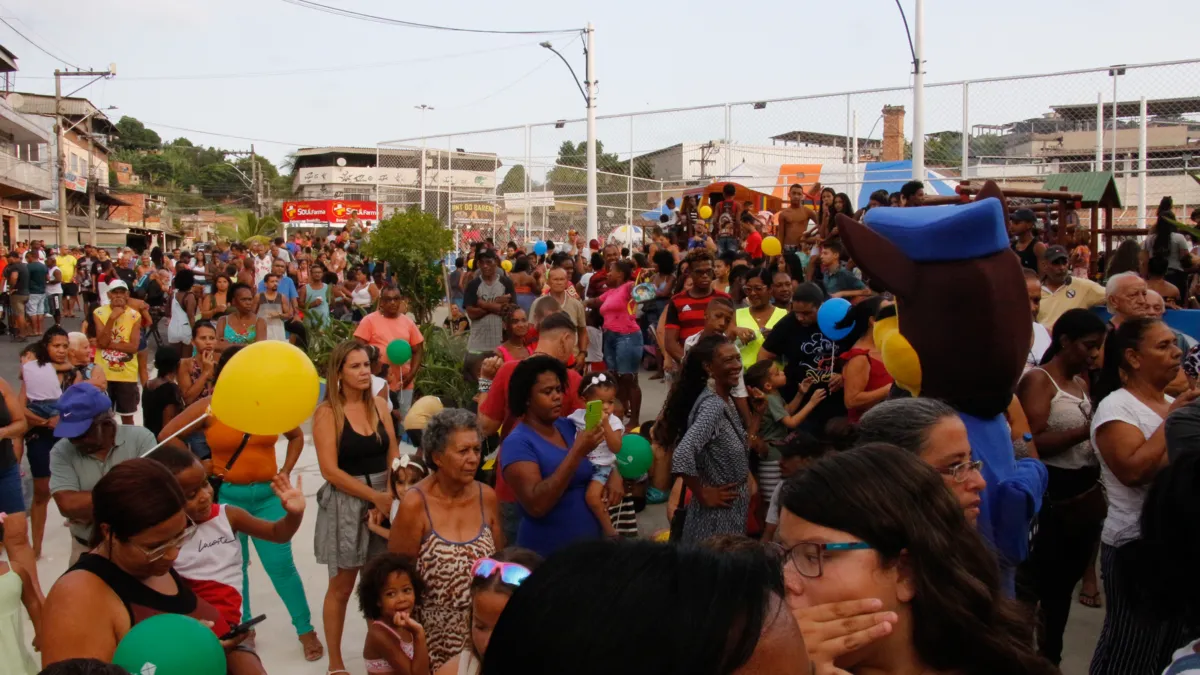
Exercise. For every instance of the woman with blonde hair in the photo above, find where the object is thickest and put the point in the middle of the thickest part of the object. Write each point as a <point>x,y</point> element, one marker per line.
<point>354,449</point>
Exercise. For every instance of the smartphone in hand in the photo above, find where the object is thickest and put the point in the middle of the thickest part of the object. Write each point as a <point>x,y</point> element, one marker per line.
<point>592,414</point>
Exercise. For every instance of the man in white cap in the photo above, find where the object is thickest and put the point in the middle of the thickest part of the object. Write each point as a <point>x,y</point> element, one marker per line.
<point>118,331</point>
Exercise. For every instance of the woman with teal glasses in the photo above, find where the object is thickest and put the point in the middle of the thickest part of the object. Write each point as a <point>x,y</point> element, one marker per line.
<point>885,574</point>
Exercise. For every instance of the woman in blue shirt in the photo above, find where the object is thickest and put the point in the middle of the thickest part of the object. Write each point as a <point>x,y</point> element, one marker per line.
<point>545,461</point>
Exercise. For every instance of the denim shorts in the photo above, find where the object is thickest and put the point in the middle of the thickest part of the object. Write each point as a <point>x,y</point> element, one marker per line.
<point>623,352</point>
<point>11,499</point>
<point>600,474</point>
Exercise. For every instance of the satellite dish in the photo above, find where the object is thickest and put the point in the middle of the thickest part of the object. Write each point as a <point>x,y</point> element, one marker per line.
<point>15,100</point>
<point>341,161</point>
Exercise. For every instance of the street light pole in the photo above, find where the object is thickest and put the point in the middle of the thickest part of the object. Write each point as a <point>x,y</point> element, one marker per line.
<point>424,142</point>
<point>593,206</point>
<point>60,134</point>
<point>589,97</point>
<point>918,143</point>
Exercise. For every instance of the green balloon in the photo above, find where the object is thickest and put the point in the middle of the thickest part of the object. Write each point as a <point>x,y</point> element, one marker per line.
<point>171,644</point>
<point>399,352</point>
<point>634,457</point>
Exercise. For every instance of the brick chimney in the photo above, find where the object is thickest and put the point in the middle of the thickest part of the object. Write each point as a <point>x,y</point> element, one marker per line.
<point>893,133</point>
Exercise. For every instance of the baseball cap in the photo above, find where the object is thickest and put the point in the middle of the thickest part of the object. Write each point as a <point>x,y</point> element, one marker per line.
<point>117,283</point>
<point>1022,216</point>
<point>78,406</point>
<point>1054,253</point>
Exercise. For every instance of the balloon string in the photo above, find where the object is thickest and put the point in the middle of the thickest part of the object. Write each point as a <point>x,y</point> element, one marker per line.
<point>175,435</point>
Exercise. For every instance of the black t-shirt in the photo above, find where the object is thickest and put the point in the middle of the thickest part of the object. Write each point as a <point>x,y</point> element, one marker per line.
<point>155,402</point>
<point>805,350</point>
<point>21,285</point>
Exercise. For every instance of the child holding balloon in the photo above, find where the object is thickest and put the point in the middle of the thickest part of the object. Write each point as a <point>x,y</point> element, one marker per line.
<point>600,387</point>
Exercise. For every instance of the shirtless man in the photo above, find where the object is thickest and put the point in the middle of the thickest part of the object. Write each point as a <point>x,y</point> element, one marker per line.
<point>793,231</point>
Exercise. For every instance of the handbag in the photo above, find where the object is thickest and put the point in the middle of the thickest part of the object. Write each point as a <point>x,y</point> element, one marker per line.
<point>216,481</point>
<point>680,516</point>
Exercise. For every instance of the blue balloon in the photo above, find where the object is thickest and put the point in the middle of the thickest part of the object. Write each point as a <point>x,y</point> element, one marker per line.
<point>540,248</point>
<point>829,314</point>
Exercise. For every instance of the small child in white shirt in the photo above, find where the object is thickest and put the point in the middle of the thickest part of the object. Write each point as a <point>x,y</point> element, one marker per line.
<point>601,387</point>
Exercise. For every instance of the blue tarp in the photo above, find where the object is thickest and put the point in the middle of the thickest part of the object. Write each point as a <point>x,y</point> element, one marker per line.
<point>891,176</point>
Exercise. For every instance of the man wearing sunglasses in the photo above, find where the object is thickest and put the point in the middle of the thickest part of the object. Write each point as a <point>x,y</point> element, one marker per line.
<point>91,444</point>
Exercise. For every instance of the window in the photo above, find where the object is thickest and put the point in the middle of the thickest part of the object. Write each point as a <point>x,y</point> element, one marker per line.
<point>74,164</point>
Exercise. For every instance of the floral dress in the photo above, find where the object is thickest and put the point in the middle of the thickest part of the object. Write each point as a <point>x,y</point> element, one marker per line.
<point>714,448</point>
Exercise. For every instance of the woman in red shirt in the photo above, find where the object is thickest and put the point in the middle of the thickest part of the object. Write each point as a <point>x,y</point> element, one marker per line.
<point>865,380</point>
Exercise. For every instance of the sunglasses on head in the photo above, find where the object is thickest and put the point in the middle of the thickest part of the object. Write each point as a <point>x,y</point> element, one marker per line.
<point>510,573</point>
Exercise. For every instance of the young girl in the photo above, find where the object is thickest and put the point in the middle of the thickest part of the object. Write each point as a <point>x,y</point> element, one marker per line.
<point>406,472</point>
<point>16,588</point>
<point>601,387</point>
<point>493,581</point>
<point>389,591</point>
<point>211,560</point>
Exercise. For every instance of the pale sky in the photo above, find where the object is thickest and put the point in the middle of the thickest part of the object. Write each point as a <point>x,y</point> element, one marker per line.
<point>650,55</point>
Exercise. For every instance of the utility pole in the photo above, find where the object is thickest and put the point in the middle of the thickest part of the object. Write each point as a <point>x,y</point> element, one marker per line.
<point>918,142</point>
<point>593,205</point>
<point>60,134</point>
<point>91,190</point>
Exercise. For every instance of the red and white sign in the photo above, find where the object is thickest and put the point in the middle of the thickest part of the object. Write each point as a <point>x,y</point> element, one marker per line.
<point>329,211</point>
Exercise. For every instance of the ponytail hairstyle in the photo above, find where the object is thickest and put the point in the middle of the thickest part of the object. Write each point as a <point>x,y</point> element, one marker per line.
<point>693,378</point>
<point>1164,227</point>
<point>1073,325</point>
<point>858,319</point>
<point>1128,336</point>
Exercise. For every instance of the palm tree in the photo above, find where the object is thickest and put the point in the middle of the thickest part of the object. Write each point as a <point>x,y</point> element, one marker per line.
<point>249,226</point>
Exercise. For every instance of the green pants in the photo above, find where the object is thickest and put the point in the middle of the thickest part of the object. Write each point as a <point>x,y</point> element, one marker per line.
<point>260,501</point>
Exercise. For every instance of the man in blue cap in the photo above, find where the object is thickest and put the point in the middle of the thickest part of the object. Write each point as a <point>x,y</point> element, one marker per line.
<point>92,444</point>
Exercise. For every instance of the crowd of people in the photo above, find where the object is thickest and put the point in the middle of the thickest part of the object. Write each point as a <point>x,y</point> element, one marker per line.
<point>821,518</point>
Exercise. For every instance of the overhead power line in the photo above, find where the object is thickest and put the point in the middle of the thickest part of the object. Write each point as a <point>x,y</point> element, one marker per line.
<point>240,138</point>
<point>308,4</point>
<point>39,47</point>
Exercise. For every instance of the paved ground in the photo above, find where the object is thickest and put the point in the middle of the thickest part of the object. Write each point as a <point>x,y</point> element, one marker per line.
<point>276,640</point>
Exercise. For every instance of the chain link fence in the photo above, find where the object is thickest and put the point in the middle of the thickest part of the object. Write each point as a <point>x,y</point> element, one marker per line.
<point>527,183</point>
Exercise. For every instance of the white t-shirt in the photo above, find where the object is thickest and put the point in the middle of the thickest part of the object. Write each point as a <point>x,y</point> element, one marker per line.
<point>51,287</point>
<point>1124,501</point>
<point>1185,660</point>
<point>379,384</point>
<point>1041,342</point>
<point>737,392</point>
<point>601,455</point>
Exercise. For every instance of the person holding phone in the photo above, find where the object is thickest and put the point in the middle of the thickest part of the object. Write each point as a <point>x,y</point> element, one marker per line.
<point>599,390</point>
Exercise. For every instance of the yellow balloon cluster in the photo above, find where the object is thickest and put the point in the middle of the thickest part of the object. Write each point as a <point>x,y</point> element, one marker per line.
<point>267,388</point>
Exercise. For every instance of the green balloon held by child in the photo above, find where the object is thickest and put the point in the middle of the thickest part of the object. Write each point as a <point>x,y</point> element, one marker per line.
<point>399,352</point>
<point>171,644</point>
<point>634,457</point>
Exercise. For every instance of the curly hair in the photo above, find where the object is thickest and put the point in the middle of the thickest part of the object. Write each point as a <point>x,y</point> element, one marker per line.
<point>439,428</point>
<point>698,255</point>
<point>961,619</point>
<point>525,376</point>
<point>506,317</point>
<point>693,378</point>
<point>375,576</point>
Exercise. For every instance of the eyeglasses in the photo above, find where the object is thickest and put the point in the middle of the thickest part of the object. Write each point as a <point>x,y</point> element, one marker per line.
<point>510,573</point>
<point>155,554</point>
<point>707,272</point>
<point>808,557</point>
<point>961,470</point>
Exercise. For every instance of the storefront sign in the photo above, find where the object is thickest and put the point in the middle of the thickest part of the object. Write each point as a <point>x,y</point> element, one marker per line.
<point>329,211</point>
<point>474,214</point>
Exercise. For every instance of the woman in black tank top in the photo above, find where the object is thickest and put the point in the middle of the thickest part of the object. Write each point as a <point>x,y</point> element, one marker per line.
<point>355,442</point>
<point>138,510</point>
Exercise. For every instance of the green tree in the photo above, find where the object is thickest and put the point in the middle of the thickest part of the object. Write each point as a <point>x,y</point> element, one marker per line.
<point>569,176</point>
<point>514,180</point>
<point>944,148</point>
<point>414,243</point>
<point>249,226</point>
<point>153,169</point>
<point>133,135</point>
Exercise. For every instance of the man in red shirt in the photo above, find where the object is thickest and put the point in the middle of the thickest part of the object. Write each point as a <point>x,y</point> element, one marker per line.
<point>752,244</point>
<point>685,312</point>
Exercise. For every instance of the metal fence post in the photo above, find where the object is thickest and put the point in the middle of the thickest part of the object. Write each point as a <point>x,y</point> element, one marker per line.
<point>629,191</point>
<point>528,182</point>
<point>1141,218</point>
<point>966,132</point>
<point>728,138</point>
<point>1099,132</point>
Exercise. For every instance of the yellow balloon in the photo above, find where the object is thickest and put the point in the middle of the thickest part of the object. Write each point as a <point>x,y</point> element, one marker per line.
<point>507,265</point>
<point>471,264</point>
<point>771,246</point>
<point>706,212</point>
<point>267,388</point>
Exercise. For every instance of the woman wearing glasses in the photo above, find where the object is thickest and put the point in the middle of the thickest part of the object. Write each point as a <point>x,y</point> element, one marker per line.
<point>883,572</point>
<point>933,432</point>
<point>138,509</point>
<point>1055,399</point>
<point>493,581</point>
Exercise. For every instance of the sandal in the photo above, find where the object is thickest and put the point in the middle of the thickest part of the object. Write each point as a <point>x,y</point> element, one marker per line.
<point>1090,600</point>
<point>313,649</point>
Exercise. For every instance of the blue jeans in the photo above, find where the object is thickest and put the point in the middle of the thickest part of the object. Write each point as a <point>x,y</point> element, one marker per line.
<point>11,498</point>
<point>623,352</point>
<point>730,244</point>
